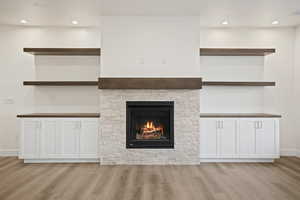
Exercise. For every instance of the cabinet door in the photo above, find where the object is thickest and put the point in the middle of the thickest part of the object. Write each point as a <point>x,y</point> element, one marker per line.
<point>227,143</point>
<point>208,138</point>
<point>70,138</point>
<point>50,139</point>
<point>266,138</point>
<point>246,138</point>
<point>30,139</point>
<point>89,139</point>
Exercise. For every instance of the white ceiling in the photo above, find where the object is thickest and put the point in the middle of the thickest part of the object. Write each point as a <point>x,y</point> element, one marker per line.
<point>211,12</point>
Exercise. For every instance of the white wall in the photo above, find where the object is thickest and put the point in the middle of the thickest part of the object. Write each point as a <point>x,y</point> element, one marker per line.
<point>164,46</point>
<point>172,41</point>
<point>296,97</point>
<point>17,66</point>
<point>276,67</point>
<point>150,47</point>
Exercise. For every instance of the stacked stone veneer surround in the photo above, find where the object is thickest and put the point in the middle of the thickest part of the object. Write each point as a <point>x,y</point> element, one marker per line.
<point>113,127</point>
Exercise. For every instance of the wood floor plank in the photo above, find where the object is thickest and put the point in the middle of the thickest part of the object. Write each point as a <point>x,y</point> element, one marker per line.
<point>222,181</point>
<point>6,161</point>
<point>107,174</point>
<point>52,174</point>
<point>21,180</point>
<point>64,187</point>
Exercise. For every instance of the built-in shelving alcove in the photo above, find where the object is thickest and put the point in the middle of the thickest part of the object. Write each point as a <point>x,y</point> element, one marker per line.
<point>55,63</point>
<point>62,52</point>
<point>234,82</point>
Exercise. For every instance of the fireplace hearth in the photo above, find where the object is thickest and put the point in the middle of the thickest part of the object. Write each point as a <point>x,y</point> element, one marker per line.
<point>149,124</point>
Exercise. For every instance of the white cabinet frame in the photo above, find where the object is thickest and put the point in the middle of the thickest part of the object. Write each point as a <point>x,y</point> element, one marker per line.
<point>59,140</point>
<point>254,139</point>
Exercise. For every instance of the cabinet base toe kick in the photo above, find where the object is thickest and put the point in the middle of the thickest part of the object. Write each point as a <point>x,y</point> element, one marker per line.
<point>237,160</point>
<point>92,160</point>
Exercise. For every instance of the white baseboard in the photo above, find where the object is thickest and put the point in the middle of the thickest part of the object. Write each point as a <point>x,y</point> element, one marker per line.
<point>9,152</point>
<point>290,152</point>
<point>298,153</point>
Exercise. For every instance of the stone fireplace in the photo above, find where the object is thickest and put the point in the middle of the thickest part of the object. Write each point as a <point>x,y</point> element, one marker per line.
<point>150,128</point>
<point>150,124</point>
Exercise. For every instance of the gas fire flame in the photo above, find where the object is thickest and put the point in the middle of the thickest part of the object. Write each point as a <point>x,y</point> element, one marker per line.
<point>150,131</point>
<point>149,125</point>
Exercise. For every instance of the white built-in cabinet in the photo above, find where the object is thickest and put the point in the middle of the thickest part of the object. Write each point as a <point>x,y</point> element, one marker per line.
<point>226,133</point>
<point>59,139</point>
<point>239,139</point>
<point>30,139</point>
<point>88,147</point>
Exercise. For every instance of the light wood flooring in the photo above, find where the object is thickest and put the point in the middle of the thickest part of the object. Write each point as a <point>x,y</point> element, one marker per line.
<point>278,181</point>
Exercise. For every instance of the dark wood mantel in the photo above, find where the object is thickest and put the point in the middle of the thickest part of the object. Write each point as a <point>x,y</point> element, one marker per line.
<point>150,83</point>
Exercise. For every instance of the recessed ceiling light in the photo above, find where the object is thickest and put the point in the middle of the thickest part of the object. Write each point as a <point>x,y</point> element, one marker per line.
<point>225,22</point>
<point>23,21</point>
<point>74,22</point>
<point>275,22</point>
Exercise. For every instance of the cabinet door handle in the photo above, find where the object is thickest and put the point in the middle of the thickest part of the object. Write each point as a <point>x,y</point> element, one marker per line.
<point>217,124</point>
<point>222,124</point>
<point>258,124</point>
<point>261,124</point>
<point>255,125</point>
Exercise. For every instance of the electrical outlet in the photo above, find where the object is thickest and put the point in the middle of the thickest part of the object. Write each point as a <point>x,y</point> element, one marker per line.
<point>141,61</point>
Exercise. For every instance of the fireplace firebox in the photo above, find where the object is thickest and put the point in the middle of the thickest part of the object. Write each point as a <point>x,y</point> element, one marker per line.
<point>150,124</point>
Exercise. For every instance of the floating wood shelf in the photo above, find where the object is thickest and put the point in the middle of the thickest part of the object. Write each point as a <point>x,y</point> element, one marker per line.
<point>238,115</point>
<point>60,115</point>
<point>64,51</point>
<point>235,52</point>
<point>150,83</point>
<point>61,83</point>
<point>237,83</point>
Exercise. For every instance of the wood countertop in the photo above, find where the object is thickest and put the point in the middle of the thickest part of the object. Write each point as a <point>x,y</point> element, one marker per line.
<point>238,115</point>
<point>60,115</point>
